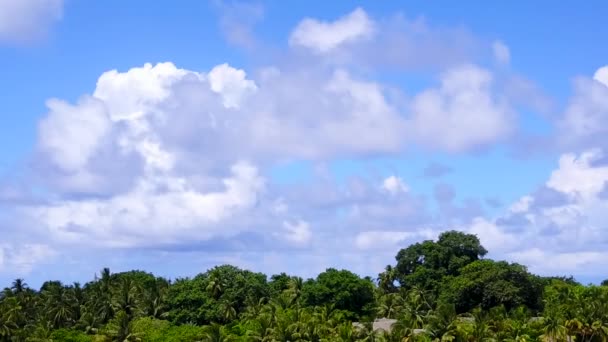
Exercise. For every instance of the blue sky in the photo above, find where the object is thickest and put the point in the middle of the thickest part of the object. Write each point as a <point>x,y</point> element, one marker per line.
<point>295,137</point>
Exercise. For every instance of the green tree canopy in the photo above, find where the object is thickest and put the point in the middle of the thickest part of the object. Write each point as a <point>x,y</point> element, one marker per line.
<point>489,283</point>
<point>218,295</point>
<point>341,289</point>
<point>423,265</point>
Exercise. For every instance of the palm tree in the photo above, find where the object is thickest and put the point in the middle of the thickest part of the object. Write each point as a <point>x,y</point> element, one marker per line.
<point>126,297</point>
<point>215,287</point>
<point>386,280</point>
<point>154,299</point>
<point>346,332</point>
<point>415,310</point>
<point>443,323</point>
<point>253,309</point>
<point>327,315</point>
<point>480,328</point>
<point>76,293</point>
<point>366,332</point>
<point>105,279</point>
<point>101,301</point>
<point>392,336</point>
<point>42,331</point>
<point>228,310</point>
<point>89,322</point>
<point>59,304</point>
<point>271,310</point>
<point>391,305</point>
<point>553,327</point>
<point>518,331</point>
<point>285,328</point>
<point>312,328</point>
<point>120,328</point>
<point>19,286</point>
<point>295,286</point>
<point>600,328</point>
<point>518,326</point>
<point>405,328</point>
<point>216,333</point>
<point>9,317</point>
<point>283,301</point>
<point>260,328</point>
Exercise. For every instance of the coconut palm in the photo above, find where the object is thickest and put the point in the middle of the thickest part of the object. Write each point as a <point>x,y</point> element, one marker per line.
<point>154,299</point>
<point>366,332</point>
<point>253,309</point>
<point>478,328</point>
<point>391,305</point>
<point>327,315</point>
<point>216,333</point>
<point>553,329</point>
<point>283,301</point>
<point>10,312</point>
<point>125,297</point>
<point>386,280</point>
<point>120,328</point>
<point>313,327</point>
<point>228,310</point>
<point>260,328</point>
<point>89,322</point>
<point>59,304</point>
<point>443,323</point>
<point>406,327</point>
<point>216,285</point>
<point>101,296</point>
<point>19,286</point>
<point>285,328</point>
<point>345,332</point>
<point>517,331</point>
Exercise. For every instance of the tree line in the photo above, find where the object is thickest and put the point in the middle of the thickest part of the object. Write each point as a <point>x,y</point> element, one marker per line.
<point>443,290</point>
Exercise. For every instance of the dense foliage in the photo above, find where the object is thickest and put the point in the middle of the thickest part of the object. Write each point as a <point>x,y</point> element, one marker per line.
<point>438,291</point>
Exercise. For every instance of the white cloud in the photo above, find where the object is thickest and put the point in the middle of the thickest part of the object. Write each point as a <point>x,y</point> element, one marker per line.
<point>161,209</point>
<point>323,37</point>
<point>461,114</point>
<point>522,205</point>
<point>394,185</point>
<point>279,206</point>
<point>171,132</point>
<point>393,41</point>
<point>101,139</point>
<point>550,263</point>
<point>70,134</point>
<point>24,20</point>
<point>381,240</point>
<point>231,83</point>
<point>138,91</point>
<point>501,52</point>
<point>601,75</point>
<point>491,236</point>
<point>20,259</point>
<point>585,120</point>
<point>322,123</point>
<point>566,236</point>
<point>298,233</point>
<point>237,21</point>
<point>576,176</point>
<point>226,114</point>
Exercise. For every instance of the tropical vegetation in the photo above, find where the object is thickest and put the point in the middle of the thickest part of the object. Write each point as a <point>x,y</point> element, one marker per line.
<point>443,290</point>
